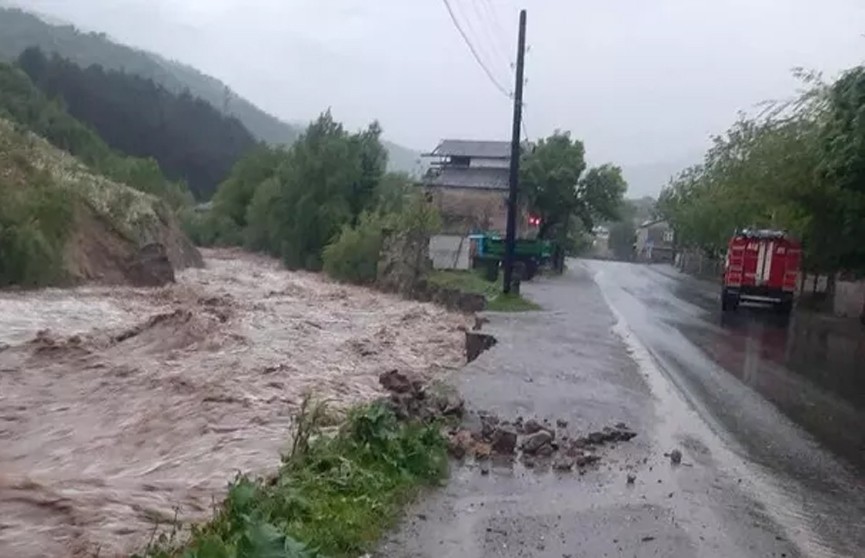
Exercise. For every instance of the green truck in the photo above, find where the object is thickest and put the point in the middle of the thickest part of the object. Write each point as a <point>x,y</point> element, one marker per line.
<point>489,252</point>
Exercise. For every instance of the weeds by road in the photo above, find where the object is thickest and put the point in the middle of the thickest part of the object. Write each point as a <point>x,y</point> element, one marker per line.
<point>473,282</point>
<point>332,497</point>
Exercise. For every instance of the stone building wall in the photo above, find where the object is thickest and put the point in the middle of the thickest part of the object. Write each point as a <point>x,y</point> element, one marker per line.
<point>466,209</point>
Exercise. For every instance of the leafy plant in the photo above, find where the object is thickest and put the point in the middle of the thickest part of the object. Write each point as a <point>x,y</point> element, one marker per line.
<point>333,495</point>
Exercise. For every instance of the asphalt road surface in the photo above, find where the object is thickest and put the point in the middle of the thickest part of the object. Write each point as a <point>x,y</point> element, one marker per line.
<point>769,415</point>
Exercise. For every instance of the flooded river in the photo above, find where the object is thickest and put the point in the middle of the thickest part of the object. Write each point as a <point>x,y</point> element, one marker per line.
<point>121,407</point>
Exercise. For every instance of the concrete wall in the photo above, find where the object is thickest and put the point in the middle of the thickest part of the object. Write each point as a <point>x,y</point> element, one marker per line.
<point>849,299</point>
<point>450,251</point>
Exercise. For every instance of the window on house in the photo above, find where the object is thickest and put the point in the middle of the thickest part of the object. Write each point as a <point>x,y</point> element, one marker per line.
<point>668,236</point>
<point>460,161</point>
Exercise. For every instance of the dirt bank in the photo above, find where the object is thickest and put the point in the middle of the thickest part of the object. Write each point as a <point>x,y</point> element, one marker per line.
<point>135,402</point>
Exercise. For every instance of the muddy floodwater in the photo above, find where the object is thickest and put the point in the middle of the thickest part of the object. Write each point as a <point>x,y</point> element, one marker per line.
<point>121,407</point>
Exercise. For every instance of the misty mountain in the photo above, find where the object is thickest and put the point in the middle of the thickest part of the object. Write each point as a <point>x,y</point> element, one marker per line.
<point>20,30</point>
<point>648,179</point>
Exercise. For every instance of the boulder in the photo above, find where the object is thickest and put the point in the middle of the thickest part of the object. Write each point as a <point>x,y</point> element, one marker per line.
<point>533,442</point>
<point>504,440</point>
<point>397,382</point>
<point>150,267</point>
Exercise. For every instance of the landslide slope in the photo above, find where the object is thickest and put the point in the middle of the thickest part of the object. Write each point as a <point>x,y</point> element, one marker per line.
<point>60,223</point>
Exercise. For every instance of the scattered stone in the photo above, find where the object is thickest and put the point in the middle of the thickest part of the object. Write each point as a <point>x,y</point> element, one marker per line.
<point>459,443</point>
<point>587,459</point>
<point>482,450</point>
<point>450,404</point>
<point>396,382</point>
<point>563,463</point>
<point>532,426</point>
<point>647,539</point>
<point>561,423</point>
<point>675,457</point>
<point>485,468</point>
<point>532,443</point>
<point>621,426</point>
<point>632,478</point>
<point>546,450</point>
<point>504,441</point>
<point>488,425</point>
<point>596,438</point>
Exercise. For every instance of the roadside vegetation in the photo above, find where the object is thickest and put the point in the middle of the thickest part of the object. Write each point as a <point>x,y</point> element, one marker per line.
<point>474,282</point>
<point>334,494</point>
<point>798,165</point>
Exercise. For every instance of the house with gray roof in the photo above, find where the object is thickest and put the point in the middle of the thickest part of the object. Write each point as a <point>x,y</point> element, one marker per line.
<point>467,180</point>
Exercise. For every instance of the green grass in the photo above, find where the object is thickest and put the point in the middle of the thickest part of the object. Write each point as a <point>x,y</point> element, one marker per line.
<point>333,497</point>
<point>474,282</point>
<point>511,303</point>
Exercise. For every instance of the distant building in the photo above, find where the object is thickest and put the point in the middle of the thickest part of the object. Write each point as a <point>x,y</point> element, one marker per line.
<point>601,243</point>
<point>655,242</point>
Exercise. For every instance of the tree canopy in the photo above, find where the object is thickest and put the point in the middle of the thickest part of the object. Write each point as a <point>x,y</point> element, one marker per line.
<point>189,138</point>
<point>798,166</point>
<point>292,202</point>
<point>23,103</point>
<point>555,189</point>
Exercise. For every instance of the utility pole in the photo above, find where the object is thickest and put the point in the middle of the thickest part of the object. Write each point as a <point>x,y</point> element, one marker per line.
<point>511,238</point>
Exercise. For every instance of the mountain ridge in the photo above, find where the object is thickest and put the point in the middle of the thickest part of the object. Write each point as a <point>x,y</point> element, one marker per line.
<point>20,29</point>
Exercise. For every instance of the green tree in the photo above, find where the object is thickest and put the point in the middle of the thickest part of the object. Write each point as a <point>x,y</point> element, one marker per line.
<point>549,175</point>
<point>555,190</point>
<point>842,171</point>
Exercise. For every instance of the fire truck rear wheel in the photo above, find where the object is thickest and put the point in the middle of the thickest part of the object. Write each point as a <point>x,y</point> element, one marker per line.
<point>729,302</point>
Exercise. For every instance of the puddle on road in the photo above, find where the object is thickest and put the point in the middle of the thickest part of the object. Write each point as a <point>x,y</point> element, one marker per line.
<point>136,402</point>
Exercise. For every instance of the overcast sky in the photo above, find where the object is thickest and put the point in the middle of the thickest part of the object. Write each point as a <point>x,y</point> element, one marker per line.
<point>643,82</point>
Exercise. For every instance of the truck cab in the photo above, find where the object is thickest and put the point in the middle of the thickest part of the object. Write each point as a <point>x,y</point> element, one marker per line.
<point>762,266</point>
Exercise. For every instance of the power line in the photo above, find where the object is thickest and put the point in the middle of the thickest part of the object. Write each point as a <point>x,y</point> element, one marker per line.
<point>474,51</point>
<point>499,52</point>
<point>498,31</point>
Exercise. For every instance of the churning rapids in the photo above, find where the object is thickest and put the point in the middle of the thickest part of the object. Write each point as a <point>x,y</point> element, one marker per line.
<point>122,407</point>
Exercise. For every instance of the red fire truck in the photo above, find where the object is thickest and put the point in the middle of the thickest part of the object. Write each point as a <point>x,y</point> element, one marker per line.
<point>761,266</point>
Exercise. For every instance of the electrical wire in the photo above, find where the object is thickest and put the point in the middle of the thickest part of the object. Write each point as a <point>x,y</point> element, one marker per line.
<point>498,47</point>
<point>474,51</point>
<point>498,31</point>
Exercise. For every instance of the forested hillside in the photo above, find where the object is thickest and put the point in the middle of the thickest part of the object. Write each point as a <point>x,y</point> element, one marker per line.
<point>21,102</point>
<point>20,30</point>
<point>191,140</point>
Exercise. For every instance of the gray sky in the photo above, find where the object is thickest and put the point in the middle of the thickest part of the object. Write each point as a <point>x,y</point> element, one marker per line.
<point>643,82</point>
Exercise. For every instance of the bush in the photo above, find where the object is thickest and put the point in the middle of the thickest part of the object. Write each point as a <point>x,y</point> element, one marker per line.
<point>353,256</point>
<point>35,221</point>
<point>332,497</point>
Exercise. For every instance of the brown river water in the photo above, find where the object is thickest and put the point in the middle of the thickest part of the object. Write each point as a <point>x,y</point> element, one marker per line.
<point>121,408</point>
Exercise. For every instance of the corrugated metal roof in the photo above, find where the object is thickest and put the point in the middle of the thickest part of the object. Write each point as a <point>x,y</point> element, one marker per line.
<point>481,178</point>
<point>471,148</point>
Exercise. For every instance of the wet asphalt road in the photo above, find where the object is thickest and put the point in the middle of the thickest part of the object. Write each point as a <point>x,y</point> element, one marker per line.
<point>768,416</point>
